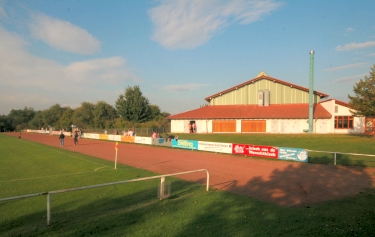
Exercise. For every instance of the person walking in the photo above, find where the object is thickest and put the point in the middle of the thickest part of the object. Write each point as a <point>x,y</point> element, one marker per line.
<point>76,138</point>
<point>61,137</point>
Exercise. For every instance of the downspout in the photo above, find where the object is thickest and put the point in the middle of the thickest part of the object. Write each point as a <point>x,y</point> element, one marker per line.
<point>311,93</point>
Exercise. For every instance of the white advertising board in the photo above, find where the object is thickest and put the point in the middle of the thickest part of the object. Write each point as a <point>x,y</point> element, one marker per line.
<point>114,138</point>
<point>143,140</point>
<point>215,147</point>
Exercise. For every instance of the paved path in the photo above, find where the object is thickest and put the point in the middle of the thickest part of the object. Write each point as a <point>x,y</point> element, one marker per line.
<point>280,182</point>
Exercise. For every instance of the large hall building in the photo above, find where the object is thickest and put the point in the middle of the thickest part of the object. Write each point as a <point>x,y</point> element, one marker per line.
<point>268,105</point>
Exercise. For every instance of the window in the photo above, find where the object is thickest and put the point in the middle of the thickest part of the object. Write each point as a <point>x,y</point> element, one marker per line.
<point>343,122</point>
<point>336,109</point>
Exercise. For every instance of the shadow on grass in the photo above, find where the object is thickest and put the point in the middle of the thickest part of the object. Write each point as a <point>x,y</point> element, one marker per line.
<point>191,211</point>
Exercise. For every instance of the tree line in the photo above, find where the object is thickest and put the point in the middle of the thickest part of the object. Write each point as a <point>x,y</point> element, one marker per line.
<point>131,109</point>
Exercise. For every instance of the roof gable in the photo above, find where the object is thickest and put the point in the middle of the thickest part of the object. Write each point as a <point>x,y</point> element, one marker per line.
<point>264,76</point>
<point>339,102</point>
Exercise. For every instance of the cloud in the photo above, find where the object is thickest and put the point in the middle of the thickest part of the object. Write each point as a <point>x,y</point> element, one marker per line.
<point>355,65</point>
<point>186,87</point>
<point>187,24</point>
<point>350,79</point>
<point>353,46</point>
<point>63,35</point>
<point>27,80</point>
<point>97,71</point>
<point>349,29</point>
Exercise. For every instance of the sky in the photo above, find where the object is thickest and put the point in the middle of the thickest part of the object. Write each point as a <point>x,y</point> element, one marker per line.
<point>177,51</point>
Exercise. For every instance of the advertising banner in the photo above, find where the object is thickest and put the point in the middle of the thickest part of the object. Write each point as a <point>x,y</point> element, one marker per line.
<point>114,138</point>
<point>129,139</point>
<point>255,150</point>
<point>143,140</point>
<point>239,149</point>
<point>263,151</point>
<point>185,144</point>
<point>161,142</point>
<point>296,154</point>
<point>103,136</point>
<point>91,135</point>
<point>215,147</point>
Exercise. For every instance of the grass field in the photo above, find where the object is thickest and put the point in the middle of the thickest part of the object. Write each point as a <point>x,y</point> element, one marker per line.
<point>133,209</point>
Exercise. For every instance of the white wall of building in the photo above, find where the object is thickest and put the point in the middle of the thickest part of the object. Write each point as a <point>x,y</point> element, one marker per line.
<point>178,126</point>
<point>339,110</point>
<point>238,125</point>
<point>287,126</point>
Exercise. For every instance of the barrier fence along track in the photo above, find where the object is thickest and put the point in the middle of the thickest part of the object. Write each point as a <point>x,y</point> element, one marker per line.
<point>102,185</point>
<point>334,152</point>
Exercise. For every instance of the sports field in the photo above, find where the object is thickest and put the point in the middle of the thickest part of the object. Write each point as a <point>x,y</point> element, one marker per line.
<point>280,200</point>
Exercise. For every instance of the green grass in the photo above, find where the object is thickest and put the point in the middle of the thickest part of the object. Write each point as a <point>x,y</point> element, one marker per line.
<point>133,209</point>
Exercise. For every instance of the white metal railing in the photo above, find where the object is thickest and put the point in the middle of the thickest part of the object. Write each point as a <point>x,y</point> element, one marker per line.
<point>101,185</point>
<point>335,152</point>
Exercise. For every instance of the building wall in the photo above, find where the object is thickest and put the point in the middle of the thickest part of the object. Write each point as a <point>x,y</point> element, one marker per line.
<point>286,126</point>
<point>339,110</point>
<point>248,94</point>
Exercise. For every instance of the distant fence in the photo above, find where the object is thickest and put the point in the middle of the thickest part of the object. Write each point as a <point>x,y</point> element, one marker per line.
<point>341,153</point>
<point>142,130</point>
<point>162,177</point>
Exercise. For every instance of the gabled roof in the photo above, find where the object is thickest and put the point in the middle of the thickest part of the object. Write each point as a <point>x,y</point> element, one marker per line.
<point>278,111</point>
<point>263,76</point>
<point>339,102</point>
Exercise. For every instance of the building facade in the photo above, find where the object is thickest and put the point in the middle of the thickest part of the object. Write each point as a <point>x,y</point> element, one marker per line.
<point>268,105</point>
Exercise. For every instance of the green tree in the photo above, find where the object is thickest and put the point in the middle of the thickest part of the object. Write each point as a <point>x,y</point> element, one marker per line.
<point>104,115</point>
<point>52,115</point>
<point>37,121</point>
<point>5,123</point>
<point>133,106</point>
<point>83,115</point>
<point>155,112</point>
<point>19,118</point>
<point>363,101</point>
<point>65,121</point>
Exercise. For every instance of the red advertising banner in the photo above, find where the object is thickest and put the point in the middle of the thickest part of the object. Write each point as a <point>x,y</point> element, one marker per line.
<point>255,150</point>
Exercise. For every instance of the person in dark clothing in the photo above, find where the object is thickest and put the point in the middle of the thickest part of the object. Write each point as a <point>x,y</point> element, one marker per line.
<point>61,137</point>
<point>76,138</point>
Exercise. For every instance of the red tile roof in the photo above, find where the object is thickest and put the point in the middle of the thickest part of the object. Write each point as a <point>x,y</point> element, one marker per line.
<point>284,111</point>
<point>322,95</point>
<point>339,102</point>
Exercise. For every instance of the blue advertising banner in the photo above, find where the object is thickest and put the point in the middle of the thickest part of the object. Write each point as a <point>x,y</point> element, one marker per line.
<point>185,144</point>
<point>296,154</point>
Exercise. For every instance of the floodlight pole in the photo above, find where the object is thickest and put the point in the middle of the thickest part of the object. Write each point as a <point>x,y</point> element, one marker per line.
<point>311,92</point>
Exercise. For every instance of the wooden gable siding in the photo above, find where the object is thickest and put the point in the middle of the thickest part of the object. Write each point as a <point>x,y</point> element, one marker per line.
<point>279,94</point>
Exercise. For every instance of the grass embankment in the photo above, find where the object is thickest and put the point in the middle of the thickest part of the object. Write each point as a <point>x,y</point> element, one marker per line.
<point>133,209</point>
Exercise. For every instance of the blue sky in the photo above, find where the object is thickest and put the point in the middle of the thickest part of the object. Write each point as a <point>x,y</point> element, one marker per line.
<point>177,51</point>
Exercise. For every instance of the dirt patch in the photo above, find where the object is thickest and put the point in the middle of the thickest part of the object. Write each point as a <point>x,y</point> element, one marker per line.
<point>280,182</point>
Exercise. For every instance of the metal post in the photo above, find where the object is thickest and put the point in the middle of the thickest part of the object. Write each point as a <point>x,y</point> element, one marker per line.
<point>48,209</point>
<point>335,159</point>
<point>311,92</point>
<point>162,184</point>
<point>208,180</point>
